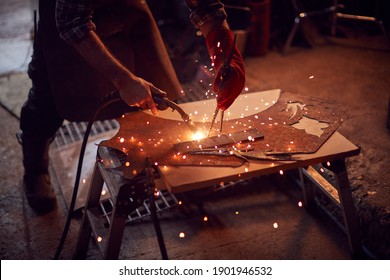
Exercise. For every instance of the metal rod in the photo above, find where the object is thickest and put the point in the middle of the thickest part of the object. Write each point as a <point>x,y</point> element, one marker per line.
<point>220,126</point>
<point>213,121</point>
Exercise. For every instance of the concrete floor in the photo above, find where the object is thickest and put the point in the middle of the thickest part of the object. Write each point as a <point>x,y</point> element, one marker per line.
<point>241,220</point>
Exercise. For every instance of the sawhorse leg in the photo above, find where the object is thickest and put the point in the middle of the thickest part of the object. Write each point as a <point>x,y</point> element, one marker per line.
<point>345,201</point>
<point>93,199</point>
<point>347,205</point>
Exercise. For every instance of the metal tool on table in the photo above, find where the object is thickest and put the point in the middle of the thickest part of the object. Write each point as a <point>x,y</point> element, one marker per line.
<point>245,154</point>
<point>224,72</point>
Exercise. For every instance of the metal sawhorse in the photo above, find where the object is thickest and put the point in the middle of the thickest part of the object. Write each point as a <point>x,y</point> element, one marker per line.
<point>127,196</point>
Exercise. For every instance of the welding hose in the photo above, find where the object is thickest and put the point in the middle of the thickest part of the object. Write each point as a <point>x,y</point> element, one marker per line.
<point>106,101</point>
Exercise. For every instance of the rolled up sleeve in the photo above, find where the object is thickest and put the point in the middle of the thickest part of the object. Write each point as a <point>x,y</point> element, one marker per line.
<point>74,19</point>
<point>205,11</point>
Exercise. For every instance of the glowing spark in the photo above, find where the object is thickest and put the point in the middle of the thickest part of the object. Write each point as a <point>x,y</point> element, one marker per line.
<point>205,218</point>
<point>311,77</point>
<point>182,235</point>
<point>246,169</point>
<point>99,239</point>
<point>281,172</point>
<point>237,213</point>
<point>246,89</point>
<point>198,135</point>
<point>134,172</point>
<point>84,181</point>
<point>275,225</point>
<point>300,204</point>
<point>104,192</point>
<point>328,163</point>
<point>322,170</point>
<point>180,202</point>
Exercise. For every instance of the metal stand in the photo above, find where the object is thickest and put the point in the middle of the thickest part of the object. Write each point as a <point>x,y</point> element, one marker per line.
<point>302,14</point>
<point>127,197</point>
<point>339,193</point>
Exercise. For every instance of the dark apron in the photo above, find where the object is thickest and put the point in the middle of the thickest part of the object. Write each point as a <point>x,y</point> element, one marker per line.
<point>130,33</point>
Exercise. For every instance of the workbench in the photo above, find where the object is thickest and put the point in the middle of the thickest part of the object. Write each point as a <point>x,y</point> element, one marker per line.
<point>130,193</point>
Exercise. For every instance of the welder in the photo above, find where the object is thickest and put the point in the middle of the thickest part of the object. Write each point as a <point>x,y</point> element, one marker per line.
<point>84,49</point>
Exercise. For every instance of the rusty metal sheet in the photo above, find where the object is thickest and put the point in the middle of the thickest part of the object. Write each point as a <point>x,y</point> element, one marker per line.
<point>287,127</point>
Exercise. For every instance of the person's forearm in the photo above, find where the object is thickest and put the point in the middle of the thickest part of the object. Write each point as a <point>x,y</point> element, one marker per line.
<point>92,49</point>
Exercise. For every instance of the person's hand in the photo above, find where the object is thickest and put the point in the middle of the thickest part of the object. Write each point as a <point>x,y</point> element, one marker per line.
<point>220,43</point>
<point>138,92</point>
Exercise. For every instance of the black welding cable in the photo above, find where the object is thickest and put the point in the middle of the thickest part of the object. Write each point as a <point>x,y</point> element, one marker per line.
<point>107,100</point>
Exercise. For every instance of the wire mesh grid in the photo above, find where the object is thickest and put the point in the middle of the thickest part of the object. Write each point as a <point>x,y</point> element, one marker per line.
<point>163,201</point>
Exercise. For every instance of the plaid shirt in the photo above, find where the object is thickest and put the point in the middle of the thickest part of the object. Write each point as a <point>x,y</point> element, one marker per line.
<point>74,17</point>
<point>203,11</point>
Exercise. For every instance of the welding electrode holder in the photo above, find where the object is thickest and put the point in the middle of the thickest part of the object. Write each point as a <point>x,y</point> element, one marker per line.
<point>164,103</point>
